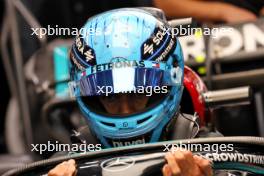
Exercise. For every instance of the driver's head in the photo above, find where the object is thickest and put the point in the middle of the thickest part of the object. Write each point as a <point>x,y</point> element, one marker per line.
<point>127,72</point>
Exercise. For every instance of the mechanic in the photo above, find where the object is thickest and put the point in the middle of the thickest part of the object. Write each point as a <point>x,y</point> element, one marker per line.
<point>132,57</point>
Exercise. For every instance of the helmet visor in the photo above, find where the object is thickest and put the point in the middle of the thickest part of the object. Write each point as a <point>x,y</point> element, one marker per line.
<point>126,80</point>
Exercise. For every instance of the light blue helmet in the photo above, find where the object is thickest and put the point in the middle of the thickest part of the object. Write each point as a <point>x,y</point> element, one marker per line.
<point>121,51</point>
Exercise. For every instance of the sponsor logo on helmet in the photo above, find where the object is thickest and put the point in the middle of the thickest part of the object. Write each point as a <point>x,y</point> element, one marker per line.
<point>85,51</point>
<point>168,49</point>
<point>76,63</point>
<point>128,143</point>
<point>159,46</point>
<point>114,65</point>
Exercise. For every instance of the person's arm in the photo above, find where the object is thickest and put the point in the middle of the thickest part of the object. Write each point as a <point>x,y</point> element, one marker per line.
<point>204,10</point>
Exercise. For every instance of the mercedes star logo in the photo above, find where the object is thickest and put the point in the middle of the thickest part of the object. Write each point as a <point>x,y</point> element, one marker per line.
<point>117,164</point>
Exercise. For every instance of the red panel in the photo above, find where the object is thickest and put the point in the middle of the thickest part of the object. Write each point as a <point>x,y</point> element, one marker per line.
<point>195,87</point>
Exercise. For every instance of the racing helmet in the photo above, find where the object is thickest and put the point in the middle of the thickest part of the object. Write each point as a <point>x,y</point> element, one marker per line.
<point>120,51</point>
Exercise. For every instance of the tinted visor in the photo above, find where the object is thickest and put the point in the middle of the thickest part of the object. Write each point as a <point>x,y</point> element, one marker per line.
<point>127,80</point>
